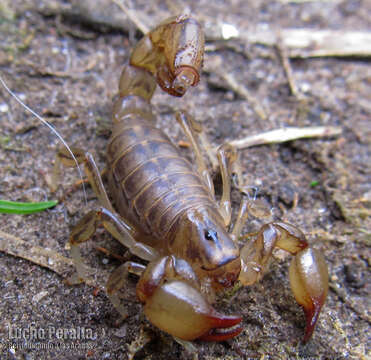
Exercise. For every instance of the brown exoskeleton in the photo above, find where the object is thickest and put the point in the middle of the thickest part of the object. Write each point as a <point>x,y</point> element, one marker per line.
<point>165,210</point>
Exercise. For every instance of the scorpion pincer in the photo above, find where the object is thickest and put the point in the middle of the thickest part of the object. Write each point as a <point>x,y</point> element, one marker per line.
<point>165,210</point>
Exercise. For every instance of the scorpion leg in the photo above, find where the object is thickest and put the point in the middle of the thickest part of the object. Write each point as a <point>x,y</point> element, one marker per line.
<point>174,303</point>
<point>83,157</point>
<point>190,127</point>
<point>308,271</point>
<point>118,280</point>
<point>112,222</point>
<point>226,156</point>
<point>241,218</point>
<point>248,204</point>
<point>116,226</point>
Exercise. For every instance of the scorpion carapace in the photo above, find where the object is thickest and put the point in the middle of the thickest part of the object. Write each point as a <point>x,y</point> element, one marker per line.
<point>166,211</point>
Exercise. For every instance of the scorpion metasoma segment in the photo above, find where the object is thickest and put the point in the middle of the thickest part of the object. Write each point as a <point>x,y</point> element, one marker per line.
<point>165,210</point>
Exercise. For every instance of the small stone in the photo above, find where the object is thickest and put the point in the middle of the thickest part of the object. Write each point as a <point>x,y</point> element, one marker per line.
<point>36,298</point>
<point>354,275</point>
<point>4,108</point>
<point>121,332</point>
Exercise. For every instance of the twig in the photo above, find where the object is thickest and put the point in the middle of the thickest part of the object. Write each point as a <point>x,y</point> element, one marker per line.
<point>47,258</point>
<point>286,134</point>
<point>288,70</point>
<point>131,14</point>
<point>304,43</point>
<point>43,257</point>
<point>305,1</point>
<point>244,93</point>
<point>177,7</point>
<point>342,294</point>
<point>78,34</point>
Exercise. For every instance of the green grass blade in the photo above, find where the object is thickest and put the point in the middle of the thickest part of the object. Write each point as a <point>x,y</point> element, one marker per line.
<point>14,207</point>
<point>314,183</point>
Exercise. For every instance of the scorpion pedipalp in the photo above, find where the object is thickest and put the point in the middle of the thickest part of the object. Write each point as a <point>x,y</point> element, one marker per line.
<point>174,303</point>
<point>308,271</point>
<point>179,309</point>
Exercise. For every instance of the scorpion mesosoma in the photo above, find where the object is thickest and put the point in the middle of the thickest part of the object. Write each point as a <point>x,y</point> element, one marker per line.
<point>166,210</point>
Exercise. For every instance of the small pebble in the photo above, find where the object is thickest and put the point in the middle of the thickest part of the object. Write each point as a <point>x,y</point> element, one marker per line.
<point>229,31</point>
<point>36,298</point>
<point>121,332</point>
<point>305,87</point>
<point>4,108</point>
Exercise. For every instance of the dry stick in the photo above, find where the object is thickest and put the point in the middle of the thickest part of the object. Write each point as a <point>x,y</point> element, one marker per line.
<point>43,257</point>
<point>177,7</point>
<point>342,294</point>
<point>305,1</point>
<point>288,71</point>
<point>244,93</point>
<point>304,43</point>
<point>47,258</point>
<point>132,15</point>
<point>286,134</point>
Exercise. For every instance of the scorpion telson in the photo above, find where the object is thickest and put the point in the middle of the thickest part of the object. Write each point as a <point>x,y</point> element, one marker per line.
<point>165,210</point>
<point>173,53</point>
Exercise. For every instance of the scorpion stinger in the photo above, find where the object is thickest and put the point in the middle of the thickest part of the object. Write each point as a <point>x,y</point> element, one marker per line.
<point>173,53</point>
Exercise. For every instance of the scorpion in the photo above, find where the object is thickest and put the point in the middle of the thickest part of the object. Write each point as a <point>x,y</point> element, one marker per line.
<point>165,208</point>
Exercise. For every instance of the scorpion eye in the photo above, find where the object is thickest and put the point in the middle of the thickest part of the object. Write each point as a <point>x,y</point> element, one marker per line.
<point>211,235</point>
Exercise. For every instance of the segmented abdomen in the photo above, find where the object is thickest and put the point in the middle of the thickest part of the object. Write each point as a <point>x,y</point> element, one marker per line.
<point>154,184</point>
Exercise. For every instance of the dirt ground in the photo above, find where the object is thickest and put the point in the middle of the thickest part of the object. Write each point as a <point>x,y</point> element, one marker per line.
<point>63,59</point>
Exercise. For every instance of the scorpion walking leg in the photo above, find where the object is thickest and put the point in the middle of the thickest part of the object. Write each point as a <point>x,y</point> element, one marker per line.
<point>190,126</point>
<point>308,271</point>
<point>241,218</point>
<point>91,170</point>
<point>226,156</point>
<point>118,280</point>
<point>114,224</point>
<point>249,204</point>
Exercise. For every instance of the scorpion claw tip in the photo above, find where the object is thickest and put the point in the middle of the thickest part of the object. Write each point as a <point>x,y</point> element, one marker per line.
<point>309,283</point>
<point>311,316</point>
<point>221,334</point>
<point>225,327</point>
